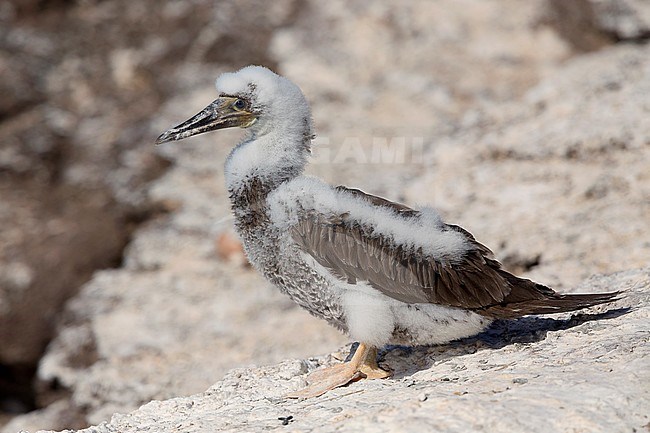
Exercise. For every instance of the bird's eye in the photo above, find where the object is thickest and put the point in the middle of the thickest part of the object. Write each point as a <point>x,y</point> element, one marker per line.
<point>239,104</point>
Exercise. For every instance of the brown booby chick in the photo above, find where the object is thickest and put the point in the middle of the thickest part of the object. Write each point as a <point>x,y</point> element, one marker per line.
<point>377,270</point>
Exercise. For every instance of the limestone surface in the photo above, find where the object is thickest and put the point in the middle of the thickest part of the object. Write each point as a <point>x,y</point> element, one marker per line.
<point>581,372</point>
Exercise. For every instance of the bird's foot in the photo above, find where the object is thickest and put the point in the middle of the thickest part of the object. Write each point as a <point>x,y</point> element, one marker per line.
<point>326,379</point>
<point>374,372</point>
<point>362,365</point>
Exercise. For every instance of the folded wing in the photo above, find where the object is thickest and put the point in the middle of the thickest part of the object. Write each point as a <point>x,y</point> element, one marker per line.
<point>355,253</point>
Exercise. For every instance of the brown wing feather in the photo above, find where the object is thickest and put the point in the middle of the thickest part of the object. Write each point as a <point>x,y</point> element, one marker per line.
<point>353,254</point>
<point>477,281</point>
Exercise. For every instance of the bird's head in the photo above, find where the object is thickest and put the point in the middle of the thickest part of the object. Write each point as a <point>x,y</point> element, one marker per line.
<point>253,97</point>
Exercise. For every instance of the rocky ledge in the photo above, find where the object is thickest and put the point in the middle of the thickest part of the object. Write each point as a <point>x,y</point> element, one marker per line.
<point>580,372</point>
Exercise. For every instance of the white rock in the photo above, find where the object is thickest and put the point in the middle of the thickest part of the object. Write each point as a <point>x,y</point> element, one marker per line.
<point>581,372</point>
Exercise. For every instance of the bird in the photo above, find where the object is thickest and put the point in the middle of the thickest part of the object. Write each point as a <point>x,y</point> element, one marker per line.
<point>380,271</point>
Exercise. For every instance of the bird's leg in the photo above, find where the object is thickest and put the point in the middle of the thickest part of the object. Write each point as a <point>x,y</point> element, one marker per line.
<point>363,364</point>
<point>370,368</point>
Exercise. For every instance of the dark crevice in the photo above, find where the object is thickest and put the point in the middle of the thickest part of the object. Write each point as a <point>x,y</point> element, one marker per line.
<point>17,395</point>
<point>32,7</point>
<point>640,39</point>
<point>103,234</point>
<point>579,23</point>
<point>575,22</point>
<point>17,109</point>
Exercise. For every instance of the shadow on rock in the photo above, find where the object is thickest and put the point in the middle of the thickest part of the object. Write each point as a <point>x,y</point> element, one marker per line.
<point>404,360</point>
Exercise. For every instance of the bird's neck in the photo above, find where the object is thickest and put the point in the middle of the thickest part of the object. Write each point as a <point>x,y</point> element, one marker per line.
<point>261,163</point>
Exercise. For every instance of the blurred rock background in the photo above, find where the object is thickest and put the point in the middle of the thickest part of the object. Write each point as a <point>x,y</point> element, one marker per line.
<point>528,123</point>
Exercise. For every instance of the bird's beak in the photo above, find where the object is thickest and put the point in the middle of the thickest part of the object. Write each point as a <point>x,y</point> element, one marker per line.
<point>219,114</point>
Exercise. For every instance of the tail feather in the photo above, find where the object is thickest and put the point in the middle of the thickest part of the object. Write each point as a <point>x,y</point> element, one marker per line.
<point>528,297</point>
